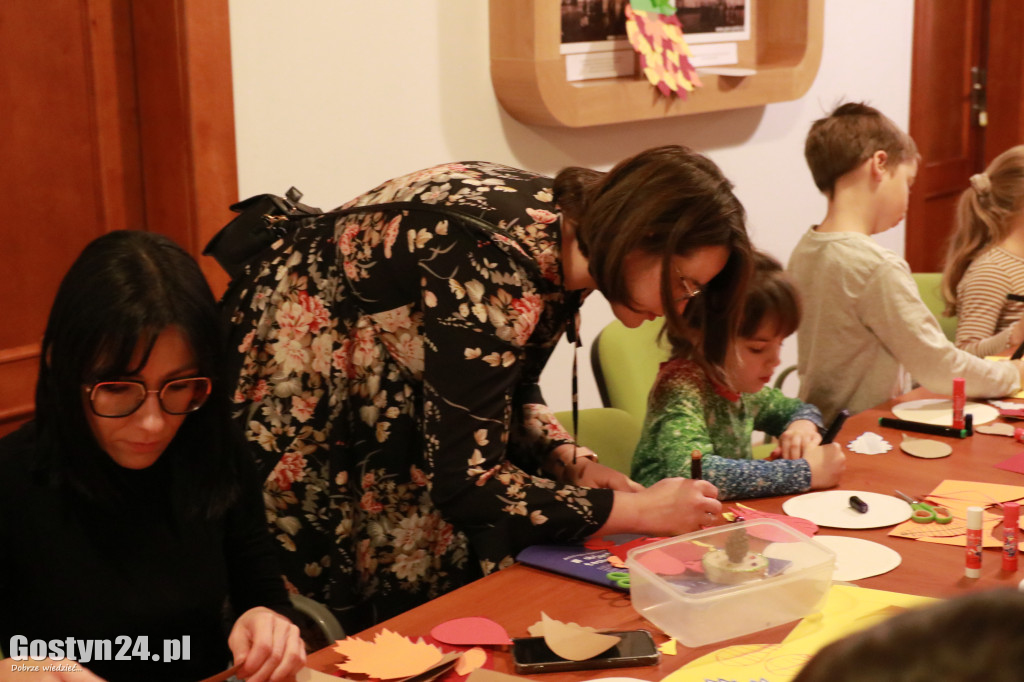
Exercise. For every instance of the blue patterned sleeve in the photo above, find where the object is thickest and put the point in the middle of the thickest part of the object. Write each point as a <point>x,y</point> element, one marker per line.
<point>741,478</point>
<point>773,411</point>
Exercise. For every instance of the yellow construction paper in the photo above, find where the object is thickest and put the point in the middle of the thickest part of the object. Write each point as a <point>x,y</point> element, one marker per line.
<point>846,610</point>
<point>668,648</point>
<point>470,661</point>
<point>388,656</point>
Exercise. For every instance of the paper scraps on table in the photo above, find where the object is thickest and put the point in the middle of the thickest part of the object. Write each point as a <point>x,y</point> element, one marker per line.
<point>470,660</point>
<point>391,656</point>
<point>956,496</point>
<point>471,631</point>
<point>767,532</point>
<point>996,429</point>
<point>1005,405</point>
<point>310,675</point>
<point>668,647</point>
<point>488,675</point>
<point>869,443</point>
<point>1015,463</point>
<point>572,641</point>
<point>925,448</point>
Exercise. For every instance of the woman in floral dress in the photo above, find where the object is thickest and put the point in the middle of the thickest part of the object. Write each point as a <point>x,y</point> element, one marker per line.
<point>390,351</point>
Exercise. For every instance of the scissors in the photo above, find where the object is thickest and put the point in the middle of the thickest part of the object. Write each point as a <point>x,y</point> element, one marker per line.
<point>926,513</point>
<point>620,578</point>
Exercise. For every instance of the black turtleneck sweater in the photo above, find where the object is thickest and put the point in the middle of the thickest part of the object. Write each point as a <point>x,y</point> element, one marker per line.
<point>100,572</point>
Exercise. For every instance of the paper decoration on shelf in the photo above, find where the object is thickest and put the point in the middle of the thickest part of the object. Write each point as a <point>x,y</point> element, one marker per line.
<point>571,641</point>
<point>664,54</point>
<point>939,411</point>
<point>831,508</point>
<point>766,532</point>
<point>391,656</point>
<point>471,631</point>
<point>996,429</point>
<point>956,496</point>
<point>925,448</point>
<point>869,443</point>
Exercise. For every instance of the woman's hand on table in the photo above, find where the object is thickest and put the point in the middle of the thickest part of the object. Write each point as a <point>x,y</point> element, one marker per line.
<point>267,645</point>
<point>671,506</point>
<point>797,440</point>
<point>34,672</point>
<point>827,465</point>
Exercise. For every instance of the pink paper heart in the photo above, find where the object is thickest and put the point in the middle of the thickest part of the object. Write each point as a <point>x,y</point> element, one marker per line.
<point>471,631</point>
<point>806,527</point>
<point>671,560</point>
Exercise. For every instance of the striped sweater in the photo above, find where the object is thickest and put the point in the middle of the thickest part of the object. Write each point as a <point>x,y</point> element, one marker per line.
<point>985,316</point>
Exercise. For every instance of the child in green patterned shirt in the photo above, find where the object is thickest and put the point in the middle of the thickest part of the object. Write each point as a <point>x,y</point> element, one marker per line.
<point>687,410</point>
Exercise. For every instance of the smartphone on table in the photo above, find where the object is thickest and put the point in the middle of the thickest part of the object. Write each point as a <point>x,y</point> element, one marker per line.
<point>531,655</point>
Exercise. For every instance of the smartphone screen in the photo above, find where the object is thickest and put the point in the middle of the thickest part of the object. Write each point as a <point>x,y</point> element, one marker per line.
<point>532,655</point>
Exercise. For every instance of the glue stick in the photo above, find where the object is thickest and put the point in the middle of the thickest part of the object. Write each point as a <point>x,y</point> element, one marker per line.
<point>973,565</point>
<point>959,400</point>
<point>1011,522</point>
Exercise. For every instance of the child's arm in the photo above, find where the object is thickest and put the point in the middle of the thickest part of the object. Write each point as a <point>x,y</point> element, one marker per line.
<point>797,425</point>
<point>892,309</point>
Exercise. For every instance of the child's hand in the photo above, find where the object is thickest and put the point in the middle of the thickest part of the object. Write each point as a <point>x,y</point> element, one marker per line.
<point>827,464</point>
<point>797,440</point>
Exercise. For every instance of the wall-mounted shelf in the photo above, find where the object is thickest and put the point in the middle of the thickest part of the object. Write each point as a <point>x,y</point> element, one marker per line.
<point>528,71</point>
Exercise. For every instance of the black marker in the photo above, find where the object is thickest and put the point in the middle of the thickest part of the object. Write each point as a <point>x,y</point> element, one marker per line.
<point>859,505</point>
<point>1015,297</point>
<point>833,429</point>
<point>919,427</point>
<point>695,465</point>
<point>1019,352</point>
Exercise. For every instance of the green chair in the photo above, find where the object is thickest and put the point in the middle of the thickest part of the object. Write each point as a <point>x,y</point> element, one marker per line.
<point>625,363</point>
<point>611,433</point>
<point>929,286</point>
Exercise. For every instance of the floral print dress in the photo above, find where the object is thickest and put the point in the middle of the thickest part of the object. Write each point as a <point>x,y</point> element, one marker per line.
<point>389,365</point>
<point>687,411</point>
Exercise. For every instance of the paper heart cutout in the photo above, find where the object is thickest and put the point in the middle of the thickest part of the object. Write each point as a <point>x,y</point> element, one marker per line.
<point>770,534</point>
<point>471,631</point>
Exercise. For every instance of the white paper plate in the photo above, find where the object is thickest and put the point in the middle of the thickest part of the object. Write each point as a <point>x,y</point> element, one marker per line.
<point>940,411</point>
<point>855,558</point>
<point>831,508</point>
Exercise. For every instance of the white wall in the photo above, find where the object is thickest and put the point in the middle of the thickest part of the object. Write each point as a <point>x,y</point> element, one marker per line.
<point>335,96</point>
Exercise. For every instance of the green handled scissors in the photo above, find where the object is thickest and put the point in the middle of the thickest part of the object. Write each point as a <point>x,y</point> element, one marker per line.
<point>620,578</point>
<point>926,513</point>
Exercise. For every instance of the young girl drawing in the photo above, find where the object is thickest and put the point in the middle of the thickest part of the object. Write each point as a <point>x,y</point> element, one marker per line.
<point>688,410</point>
<point>985,261</point>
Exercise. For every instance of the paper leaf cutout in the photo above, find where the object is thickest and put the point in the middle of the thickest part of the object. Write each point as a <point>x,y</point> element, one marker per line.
<point>664,54</point>
<point>574,642</point>
<point>470,661</point>
<point>470,631</point>
<point>926,448</point>
<point>388,656</point>
<point>869,443</point>
<point>668,648</point>
<point>770,534</point>
<point>996,429</point>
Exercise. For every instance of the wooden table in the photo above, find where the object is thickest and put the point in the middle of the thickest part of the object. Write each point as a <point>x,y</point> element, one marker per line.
<point>515,597</point>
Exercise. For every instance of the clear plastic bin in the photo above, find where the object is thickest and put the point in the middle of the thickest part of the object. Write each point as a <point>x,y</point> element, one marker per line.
<point>784,576</point>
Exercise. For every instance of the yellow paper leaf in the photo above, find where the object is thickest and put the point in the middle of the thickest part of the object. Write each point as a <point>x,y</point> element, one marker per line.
<point>388,656</point>
<point>470,661</point>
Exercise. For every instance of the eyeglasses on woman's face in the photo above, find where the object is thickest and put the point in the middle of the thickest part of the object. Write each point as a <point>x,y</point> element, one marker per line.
<point>691,288</point>
<point>122,398</point>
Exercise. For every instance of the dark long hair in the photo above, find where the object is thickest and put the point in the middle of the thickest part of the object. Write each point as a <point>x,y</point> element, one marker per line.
<point>122,291</point>
<point>665,201</point>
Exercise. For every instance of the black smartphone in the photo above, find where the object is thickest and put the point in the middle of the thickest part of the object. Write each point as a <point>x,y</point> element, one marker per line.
<point>532,655</point>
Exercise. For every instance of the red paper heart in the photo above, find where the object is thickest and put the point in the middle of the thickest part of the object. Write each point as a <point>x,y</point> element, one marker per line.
<point>471,631</point>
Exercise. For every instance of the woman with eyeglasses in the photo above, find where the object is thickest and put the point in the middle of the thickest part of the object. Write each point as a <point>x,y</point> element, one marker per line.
<point>389,354</point>
<point>132,527</point>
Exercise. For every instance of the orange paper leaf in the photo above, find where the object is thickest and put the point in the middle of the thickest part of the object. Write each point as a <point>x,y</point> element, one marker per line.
<point>388,656</point>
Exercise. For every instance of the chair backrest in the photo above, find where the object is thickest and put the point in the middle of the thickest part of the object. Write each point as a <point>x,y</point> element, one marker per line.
<point>612,434</point>
<point>625,363</point>
<point>929,286</point>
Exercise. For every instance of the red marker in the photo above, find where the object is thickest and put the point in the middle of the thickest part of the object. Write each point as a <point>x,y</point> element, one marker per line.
<point>973,565</point>
<point>1011,523</point>
<point>959,399</point>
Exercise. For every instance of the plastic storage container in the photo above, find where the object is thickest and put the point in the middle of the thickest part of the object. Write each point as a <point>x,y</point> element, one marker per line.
<point>783,576</point>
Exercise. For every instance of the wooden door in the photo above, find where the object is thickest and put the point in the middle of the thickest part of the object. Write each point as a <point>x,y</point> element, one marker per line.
<point>965,108</point>
<point>118,115</point>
